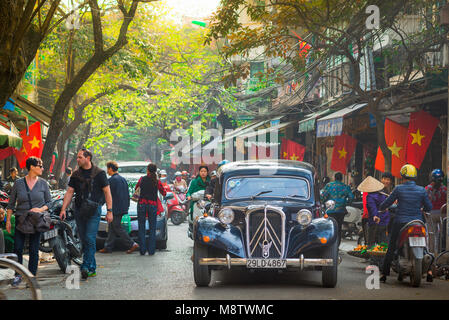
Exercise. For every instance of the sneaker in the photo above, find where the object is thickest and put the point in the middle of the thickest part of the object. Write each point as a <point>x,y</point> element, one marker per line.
<point>17,280</point>
<point>92,274</point>
<point>84,274</point>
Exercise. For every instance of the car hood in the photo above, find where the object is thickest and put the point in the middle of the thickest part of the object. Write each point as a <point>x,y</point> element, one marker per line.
<point>276,203</point>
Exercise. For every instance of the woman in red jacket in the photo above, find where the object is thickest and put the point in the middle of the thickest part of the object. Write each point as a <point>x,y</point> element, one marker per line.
<point>147,208</point>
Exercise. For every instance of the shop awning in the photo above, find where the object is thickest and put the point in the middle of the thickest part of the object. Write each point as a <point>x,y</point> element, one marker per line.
<point>267,130</point>
<point>308,123</point>
<point>9,139</point>
<point>332,124</point>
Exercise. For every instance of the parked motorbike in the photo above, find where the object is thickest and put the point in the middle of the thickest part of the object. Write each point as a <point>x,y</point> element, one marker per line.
<point>412,257</point>
<point>175,211</point>
<point>63,238</point>
<point>352,223</point>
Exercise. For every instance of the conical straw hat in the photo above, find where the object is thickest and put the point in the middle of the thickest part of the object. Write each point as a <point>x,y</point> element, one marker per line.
<point>370,184</point>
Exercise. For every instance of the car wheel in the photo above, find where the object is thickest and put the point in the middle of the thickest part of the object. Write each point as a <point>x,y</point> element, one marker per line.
<point>329,274</point>
<point>201,274</point>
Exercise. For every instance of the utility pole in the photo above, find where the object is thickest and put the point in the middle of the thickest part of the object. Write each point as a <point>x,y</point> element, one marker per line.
<point>444,21</point>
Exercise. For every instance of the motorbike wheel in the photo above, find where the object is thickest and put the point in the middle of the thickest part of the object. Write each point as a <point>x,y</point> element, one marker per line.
<point>177,217</point>
<point>61,253</point>
<point>329,274</point>
<point>45,246</point>
<point>201,274</point>
<point>416,272</point>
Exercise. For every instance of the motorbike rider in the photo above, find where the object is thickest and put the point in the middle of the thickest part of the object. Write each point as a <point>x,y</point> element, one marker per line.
<point>185,177</point>
<point>437,193</point>
<point>211,187</point>
<point>411,198</point>
<point>179,181</point>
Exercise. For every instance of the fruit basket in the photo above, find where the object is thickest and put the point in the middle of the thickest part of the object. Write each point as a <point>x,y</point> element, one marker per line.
<point>379,250</point>
<point>359,252</point>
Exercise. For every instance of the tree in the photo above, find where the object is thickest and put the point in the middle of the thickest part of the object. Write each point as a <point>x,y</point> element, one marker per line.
<point>99,55</point>
<point>335,30</point>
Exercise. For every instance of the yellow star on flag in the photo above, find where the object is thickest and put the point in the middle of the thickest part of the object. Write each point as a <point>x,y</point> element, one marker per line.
<point>294,157</point>
<point>342,153</point>
<point>24,150</point>
<point>417,137</point>
<point>395,149</point>
<point>285,155</point>
<point>34,143</point>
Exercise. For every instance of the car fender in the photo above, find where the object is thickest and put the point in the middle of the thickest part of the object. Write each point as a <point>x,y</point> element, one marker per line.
<point>312,236</point>
<point>224,237</point>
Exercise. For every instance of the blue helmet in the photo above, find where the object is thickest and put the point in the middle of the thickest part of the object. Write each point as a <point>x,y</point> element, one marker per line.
<point>222,162</point>
<point>437,175</point>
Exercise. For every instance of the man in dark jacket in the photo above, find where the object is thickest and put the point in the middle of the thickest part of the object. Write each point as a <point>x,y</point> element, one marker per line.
<point>120,206</point>
<point>411,200</point>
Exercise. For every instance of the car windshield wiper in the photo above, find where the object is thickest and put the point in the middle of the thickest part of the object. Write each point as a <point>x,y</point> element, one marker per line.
<point>294,196</point>
<point>260,193</point>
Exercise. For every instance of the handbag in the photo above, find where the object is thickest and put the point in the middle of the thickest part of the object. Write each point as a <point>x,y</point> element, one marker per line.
<point>40,220</point>
<point>136,195</point>
<point>88,207</point>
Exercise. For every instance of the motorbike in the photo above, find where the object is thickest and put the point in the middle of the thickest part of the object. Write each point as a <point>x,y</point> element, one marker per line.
<point>412,257</point>
<point>181,194</point>
<point>175,212</point>
<point>201,207</point>
<point>4,199</point>
<point>352,223</point>
<point>63,238</point>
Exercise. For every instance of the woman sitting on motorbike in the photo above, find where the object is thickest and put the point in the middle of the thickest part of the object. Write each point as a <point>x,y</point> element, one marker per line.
<point>199,183</point>
<point>179,181</point>
<point>411,198</point>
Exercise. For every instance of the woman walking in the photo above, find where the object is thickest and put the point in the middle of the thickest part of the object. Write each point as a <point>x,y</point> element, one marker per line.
<point>147,208</point>
<point>30,188</point>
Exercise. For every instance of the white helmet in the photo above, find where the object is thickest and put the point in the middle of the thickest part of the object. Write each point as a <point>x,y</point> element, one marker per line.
<point>163,172</point>
<point>178,174</point>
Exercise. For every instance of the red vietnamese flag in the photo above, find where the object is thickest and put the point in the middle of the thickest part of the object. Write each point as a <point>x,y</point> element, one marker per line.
<point>32,144</point>
<point>420,132</point>
<point>291,150</point>
<point>395,138</point>
<point>344,147</point>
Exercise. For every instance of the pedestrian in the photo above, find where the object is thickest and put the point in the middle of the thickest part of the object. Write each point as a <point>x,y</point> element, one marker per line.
<point>377,220</point>
<point>411,199</point>
<point>91,188</point>
<point>64,181</point>
<point>147,209</point>
<point>437,193</point>
<point>11,179</point>
<point>120,206</point>
<point>32,189</point>
<point>199,183</point>
<point>342,195</point>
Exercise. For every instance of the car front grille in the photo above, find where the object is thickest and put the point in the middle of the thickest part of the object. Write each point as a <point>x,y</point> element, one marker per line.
<point>265,232</point>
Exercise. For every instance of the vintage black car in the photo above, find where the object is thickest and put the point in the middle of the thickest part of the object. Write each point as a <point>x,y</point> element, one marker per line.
<point>265,215</point>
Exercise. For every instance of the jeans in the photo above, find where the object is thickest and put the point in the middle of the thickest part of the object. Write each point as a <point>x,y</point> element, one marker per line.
<point>88,229</point>
<point>144,242</point>
<point>392,242</point>
<point>34,241</point>
<point>116,230</point>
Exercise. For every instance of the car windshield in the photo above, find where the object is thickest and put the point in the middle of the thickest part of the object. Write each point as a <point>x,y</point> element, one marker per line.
<point>247,187</point>
<point>132,169</point>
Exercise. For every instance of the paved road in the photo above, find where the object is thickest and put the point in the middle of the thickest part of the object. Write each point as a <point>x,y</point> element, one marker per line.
<point>169,275</point>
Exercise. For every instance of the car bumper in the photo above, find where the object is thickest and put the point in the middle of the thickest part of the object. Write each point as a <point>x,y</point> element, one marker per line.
<point>300,263</point>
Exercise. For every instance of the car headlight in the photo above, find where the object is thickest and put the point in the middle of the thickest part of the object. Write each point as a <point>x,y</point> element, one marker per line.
<point>226,215</point>
<point>304,217</point>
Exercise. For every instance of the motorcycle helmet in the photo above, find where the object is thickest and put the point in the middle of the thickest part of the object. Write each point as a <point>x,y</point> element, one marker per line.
<point>409,171</point>
<point>437,175</point>
<point>163,172</point>
<point>222,163</point>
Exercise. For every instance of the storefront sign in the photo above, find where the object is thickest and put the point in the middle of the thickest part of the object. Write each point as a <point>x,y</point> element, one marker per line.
<point>329,128</point>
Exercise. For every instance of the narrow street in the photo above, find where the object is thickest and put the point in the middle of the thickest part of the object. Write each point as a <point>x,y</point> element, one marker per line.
<point>169,276</point>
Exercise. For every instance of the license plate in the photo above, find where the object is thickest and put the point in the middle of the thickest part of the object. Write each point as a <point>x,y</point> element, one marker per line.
<point>417,241</point>
<point>50,234</point>
<point>266,263</point>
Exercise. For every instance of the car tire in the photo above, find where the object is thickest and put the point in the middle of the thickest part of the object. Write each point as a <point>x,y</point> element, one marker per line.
<point>201,274</point>
<point>329,274</point>
<point>161,245</point>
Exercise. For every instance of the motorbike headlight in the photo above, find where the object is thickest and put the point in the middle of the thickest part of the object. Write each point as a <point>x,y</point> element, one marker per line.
<point>304,217</point>
<point>226,215</point>
<point>201,204</point>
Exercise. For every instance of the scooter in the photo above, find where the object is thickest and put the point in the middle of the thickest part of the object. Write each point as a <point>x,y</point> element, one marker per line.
<point>201,207</point>
<point>63,237</point>
<point>181,193</point>
<point>352,223</point>
<point>412,257</point>
<point>175,211</point>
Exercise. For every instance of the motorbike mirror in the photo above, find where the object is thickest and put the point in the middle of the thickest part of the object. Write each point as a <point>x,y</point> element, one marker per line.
<point>169,196</point>
<point>330,204</point>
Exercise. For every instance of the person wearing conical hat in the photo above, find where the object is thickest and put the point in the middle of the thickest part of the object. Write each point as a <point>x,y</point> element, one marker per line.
<point>377,220</point>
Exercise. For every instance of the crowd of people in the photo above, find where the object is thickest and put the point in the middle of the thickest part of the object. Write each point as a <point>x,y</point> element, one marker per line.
<point>378,223</point>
